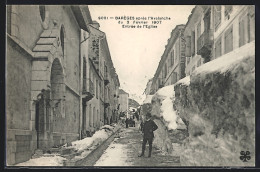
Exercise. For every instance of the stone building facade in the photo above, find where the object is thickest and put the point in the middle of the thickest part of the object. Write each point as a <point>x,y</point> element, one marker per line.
<point>123,101</point>
<point>171,67</point>
<point>234,27</point>
<point>100,81</point>
<point>198,38</point>
<point>57,78</point>
<point>213,31</point>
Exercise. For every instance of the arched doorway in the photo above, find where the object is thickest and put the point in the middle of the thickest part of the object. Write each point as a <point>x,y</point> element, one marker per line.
<point>57,97</point>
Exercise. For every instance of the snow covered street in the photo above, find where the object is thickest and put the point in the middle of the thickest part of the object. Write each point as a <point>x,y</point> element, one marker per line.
<point>124,151</point>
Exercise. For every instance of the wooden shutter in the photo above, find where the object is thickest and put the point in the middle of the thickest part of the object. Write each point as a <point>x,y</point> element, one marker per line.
<point>193,43</point>
<point>229,40</point>
<point>188,46</point>
<point>241,33</point>
<point>218,48</point>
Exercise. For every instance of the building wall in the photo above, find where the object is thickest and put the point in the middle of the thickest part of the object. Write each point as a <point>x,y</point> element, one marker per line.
<point>233,21</point>
<point>172,64</point>
<point>26,27</point>
<point>195,60</point>
<point>123,101</point>
<point>18,67</point>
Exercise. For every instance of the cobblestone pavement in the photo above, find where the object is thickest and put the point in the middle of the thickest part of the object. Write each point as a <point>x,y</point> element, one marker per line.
<point>131,140</point>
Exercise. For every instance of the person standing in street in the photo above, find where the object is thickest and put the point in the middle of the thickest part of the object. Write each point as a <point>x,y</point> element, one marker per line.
<point>126,122</point>
<point>149,127</point>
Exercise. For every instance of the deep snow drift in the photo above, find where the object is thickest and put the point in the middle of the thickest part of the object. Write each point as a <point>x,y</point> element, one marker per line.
<point>219,108</point>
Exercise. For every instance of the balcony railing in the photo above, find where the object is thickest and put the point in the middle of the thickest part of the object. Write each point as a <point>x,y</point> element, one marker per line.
<point>204,43</point>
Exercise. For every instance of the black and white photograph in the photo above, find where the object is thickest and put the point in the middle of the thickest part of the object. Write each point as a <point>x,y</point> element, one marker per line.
<point>130,86</point>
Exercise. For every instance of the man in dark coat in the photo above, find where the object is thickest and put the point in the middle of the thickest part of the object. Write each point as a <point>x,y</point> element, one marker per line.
<point>126,122</point>
<point>149,127</point>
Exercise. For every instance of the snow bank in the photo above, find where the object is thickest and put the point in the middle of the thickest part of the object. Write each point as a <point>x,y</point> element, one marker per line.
<point>98,137</point>
<point>218,107</point>
<point>44,161</point>
<point>165,96</point>
<point>184,81</point>
<point>148,99</point>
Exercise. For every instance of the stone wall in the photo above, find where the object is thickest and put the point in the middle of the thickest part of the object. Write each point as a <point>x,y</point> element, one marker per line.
<point>219,110</point>
<point>19,137</point>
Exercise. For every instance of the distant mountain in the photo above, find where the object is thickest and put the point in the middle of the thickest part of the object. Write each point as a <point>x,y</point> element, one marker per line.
<point>133,103</point>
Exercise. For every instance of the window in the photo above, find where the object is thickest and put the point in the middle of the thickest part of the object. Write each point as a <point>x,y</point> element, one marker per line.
<point>198,62</point>
<point>192,43</point>
<point>42,12</point>
<point>174,77</point>
<point>188,46</point>
<point>198,30</point>
<point>97,89</point>
<point>84,73</point>
<point>251,25</point>
<point>193,68</point>
<point>90,116</point>
<point>217,16</point>
<point>172,57</point>
<point>62,34</point>
<point>218,48</point>
<point>165,70</point>
<point>229,40</point>
<point>242,39</point>
<point>100,90</point>
<point>228,9</point>
<point>188,60</point>
<point>8,19</point>
<point>94,117</point>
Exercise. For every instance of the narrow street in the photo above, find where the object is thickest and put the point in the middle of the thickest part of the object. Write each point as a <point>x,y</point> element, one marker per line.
<point>124,151</point>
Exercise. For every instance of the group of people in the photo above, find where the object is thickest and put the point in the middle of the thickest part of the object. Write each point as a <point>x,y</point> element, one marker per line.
<point>130,122</point>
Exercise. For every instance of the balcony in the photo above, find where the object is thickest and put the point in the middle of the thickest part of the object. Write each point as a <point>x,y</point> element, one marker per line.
<point>88,89</point>
<point>106,80</point>
<point>204,44</point>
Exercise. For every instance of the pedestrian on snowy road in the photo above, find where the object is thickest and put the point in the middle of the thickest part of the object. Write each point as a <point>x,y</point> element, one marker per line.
<point>149,127</point>
<point>126,122</point>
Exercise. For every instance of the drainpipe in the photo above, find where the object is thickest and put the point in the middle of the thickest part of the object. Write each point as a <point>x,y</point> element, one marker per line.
<point>80,84</point>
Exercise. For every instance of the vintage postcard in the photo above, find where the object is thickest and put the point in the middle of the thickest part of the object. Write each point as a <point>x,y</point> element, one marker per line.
<point>130,85</point>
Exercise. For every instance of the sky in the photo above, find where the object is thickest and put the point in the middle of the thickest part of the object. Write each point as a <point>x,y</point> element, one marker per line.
<point>136,52</point>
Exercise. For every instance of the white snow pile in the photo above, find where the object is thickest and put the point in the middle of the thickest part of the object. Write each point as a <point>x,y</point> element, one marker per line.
<point>184,81</point>
<point>166,94</point>
<point>227,61</point>
<point>98,137</point>
<point>148,99</point>
<point>44,161</point>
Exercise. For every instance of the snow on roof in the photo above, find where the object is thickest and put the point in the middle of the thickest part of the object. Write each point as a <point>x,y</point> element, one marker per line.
<point>184,81</point>
<point>148,99</point>
<point>44,161</point>
<point>227,61</point>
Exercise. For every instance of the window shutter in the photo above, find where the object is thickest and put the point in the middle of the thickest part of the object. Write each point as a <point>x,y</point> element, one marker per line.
<point>229,40</point>
<point>193,43</point>
<point>188,46</point>
<point>218,48</point>
<point>241,33</point>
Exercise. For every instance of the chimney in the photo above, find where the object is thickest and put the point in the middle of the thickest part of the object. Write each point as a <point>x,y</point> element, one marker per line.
<point>95,24</point>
